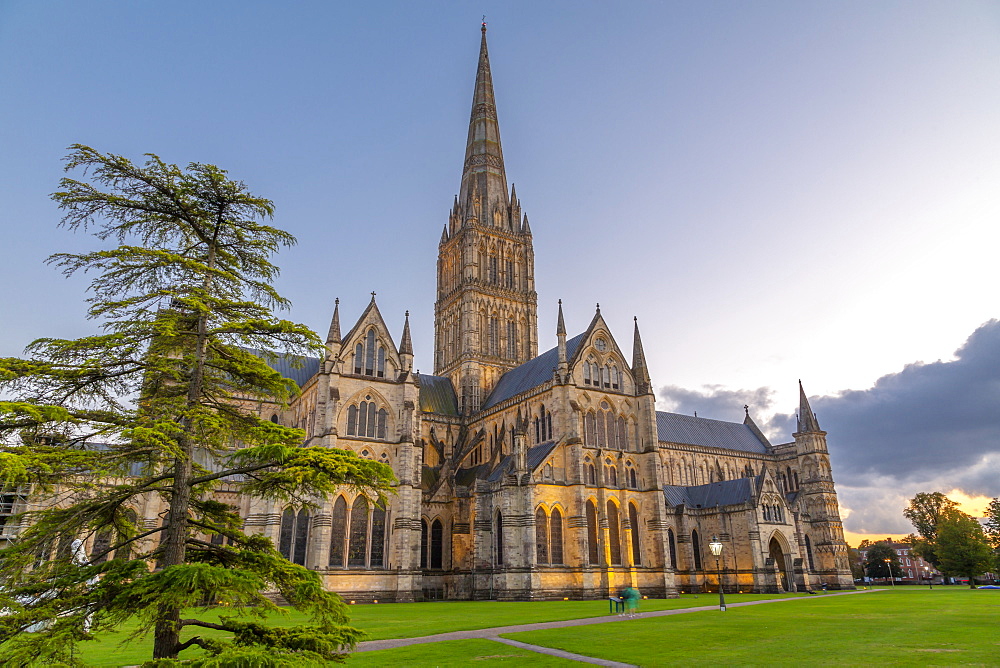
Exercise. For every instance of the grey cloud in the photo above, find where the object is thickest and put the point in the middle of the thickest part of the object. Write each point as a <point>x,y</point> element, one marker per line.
<point>929,427</point>
<point>714,401</point>
<point>937,421</point>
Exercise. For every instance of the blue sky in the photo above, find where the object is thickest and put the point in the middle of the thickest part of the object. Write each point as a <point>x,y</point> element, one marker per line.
<point>778,190</point>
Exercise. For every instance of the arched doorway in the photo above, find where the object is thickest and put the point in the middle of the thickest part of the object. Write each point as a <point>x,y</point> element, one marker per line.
<point>776,553</point>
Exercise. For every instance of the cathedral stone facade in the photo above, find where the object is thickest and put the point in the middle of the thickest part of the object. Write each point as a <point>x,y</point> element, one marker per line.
<point>531,476</point>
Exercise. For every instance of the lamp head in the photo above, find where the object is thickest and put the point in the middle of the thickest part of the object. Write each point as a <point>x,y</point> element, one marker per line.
<point>715,546</point>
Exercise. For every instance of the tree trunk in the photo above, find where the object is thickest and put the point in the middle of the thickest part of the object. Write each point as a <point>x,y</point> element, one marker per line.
<point>166,636</point>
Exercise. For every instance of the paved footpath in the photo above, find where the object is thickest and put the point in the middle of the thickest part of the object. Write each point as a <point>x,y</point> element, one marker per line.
<point>494,632</point>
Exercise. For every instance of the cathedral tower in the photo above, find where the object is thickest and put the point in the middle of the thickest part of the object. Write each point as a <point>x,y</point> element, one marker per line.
<point>485,316</point>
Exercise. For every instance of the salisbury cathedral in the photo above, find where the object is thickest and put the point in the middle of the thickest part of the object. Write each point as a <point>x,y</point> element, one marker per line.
<point>527,475</point>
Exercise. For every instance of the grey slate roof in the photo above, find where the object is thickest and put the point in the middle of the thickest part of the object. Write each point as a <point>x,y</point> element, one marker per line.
<point>531,374</point>
<point>536,455</point>
<point>437,395</point>
<point>725,493</point>
<point>675,428</point>
<point>294,367</point>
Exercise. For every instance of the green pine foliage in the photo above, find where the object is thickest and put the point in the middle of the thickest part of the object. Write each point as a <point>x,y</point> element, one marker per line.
<point>158,408</point>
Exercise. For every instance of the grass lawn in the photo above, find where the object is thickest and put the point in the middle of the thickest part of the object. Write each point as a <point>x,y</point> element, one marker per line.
<point>409,620</point>
<point>947,626</point>
<point>908,626</point>
<point>456,654</point>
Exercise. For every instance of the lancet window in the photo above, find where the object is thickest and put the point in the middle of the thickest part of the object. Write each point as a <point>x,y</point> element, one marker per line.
<point>590,472</point>
<point>493,338</point>
<point>631,477</point>
<point>696,550</point>
<point>541,536</point>
<point>498,538</point>
<point>367,420</point>
<point>592,547</point>
<point>603,429</point>
<point>357,540</point>
<point>633,519</point>
<point>369,356</point>
<point>511,339</point>
<point>543,425</point>
<point>610,473</point>
<point>548,537</point>
<point>293,536</point>
<point>614,533</point>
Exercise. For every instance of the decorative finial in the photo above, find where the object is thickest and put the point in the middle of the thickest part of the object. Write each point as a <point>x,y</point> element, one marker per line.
<point>598,307</point>
<point>484,22</point>
<point>373,295</point>
<point>635,319</point>
<point>336,301</point>
<point>407,314</point>
<point>560,302</point>
<point>746,409</point>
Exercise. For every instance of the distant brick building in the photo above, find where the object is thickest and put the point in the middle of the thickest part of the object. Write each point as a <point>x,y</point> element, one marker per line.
<point>915,569</point>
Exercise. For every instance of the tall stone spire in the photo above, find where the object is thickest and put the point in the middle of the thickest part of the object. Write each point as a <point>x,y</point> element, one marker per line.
<point>406,346</point>
<point>486,313</point>
<point>333,336</point>
<point>405,343</point>
<point>483,174</point>
<point>563,368</point>
<point>807,419</point>
<point>639,369</point>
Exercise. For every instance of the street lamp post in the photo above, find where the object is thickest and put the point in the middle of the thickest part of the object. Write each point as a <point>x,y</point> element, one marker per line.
<point>716,547</point>
<point>888,565</point>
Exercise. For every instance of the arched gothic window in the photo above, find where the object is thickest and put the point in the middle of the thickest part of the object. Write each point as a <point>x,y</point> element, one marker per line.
<point>633,519</point>
<point>592,548</point>
<point>809,554</point>
<point>274,419</point>
<point>672,544</point>
<point>610,473</point>
<point>423,543</point>
<point>493,341</point>
<point>437,544</point>
<point>367,420</point>
<point>369,357</point>
<point>102,541</point>
<point>631,479</point>
<point>338,533</point>
<point>498,538</point>
<point>614,533</point>
<point>511,339</point>
<point>543,425</point>
<point>294,535</point>
<point>621,440</point>
<point>590,428</point>
<point>590,471</point>
<point>696,550</point>
<point>555,537</point>
<point>360,541</point>
<point>541,536</point>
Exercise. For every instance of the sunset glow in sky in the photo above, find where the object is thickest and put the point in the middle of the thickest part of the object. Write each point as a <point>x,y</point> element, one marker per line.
<point>778,190</point>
